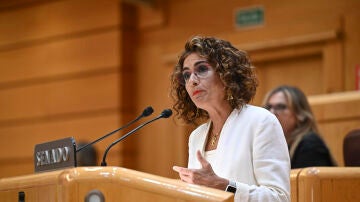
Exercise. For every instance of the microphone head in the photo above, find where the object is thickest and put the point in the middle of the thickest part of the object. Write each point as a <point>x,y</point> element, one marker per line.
<point>166,113</point>
<point>149,110</point>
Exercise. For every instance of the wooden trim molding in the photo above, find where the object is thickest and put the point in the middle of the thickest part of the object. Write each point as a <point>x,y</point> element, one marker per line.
<point>259,50</point>
<point>291,41</point>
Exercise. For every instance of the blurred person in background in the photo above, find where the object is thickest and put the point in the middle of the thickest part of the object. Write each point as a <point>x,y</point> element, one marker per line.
<point>292,108</point>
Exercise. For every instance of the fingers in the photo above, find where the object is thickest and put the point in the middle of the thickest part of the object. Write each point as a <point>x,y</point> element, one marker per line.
<point>182,170</point>
<point>177,168</point>
<point>196,176</point>
<point>184,173</point>
<point>204,163</point>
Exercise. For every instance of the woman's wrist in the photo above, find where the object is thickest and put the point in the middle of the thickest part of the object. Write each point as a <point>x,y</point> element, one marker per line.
<point>222,183</point>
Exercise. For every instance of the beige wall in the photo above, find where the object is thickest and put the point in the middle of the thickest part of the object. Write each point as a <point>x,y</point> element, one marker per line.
<point>83,68</point>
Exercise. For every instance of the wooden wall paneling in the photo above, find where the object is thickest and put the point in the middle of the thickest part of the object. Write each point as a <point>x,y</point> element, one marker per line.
<point>283,53</point>
<point>73,57</point>
<point>16,167</point>
<point>351,48</point>
<point>21,138</point>
<point>148,89</point>
<point>82,127</point>
<point>290,41</point>
<point>299,58</point>
<point>292,20</point>
<point>7,5</point>
<point>274,59</point>
<point>302,72</point>
<point>165,139</point>
<point>181,23</point>
<point>333,67</point>
<point>127,55</point>
<point>152,16</point>
<point>156,139</point>
<point>61,78</point>
<point>128,95</point>
<point>56,102</point>
<point>59,98</point>
<point>281,21</point>
<point>40,23</point>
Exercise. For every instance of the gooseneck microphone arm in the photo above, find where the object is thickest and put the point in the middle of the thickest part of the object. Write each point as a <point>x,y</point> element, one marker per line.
<point>147,111</point>
<point>165,114</point>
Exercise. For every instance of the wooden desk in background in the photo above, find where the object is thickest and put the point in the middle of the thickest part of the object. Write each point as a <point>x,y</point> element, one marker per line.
<point>336,114</point>
<point>325,184</point>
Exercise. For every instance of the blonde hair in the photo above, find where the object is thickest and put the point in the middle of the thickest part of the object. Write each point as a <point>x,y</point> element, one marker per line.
<point>299,105</point>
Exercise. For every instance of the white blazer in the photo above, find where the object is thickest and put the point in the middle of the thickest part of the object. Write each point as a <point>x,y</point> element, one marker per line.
<point>251,151</point>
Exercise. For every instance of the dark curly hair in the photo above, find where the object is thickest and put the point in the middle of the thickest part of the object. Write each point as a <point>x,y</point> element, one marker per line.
<point>232,65</point>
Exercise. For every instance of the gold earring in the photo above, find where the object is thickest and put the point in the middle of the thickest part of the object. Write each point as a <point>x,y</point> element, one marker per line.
<point>229,95</point>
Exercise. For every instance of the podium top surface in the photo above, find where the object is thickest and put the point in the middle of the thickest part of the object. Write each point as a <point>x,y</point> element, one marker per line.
<point>112,178</point>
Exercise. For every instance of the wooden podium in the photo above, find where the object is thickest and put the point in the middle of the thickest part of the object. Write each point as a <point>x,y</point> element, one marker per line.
<point>108,183</point>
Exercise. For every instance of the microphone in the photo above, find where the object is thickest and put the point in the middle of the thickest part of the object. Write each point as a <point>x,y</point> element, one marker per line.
<point>147,111</point>
<point>164,114</point>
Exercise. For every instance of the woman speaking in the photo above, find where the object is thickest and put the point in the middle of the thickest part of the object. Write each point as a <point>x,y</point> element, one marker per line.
<point>237,147</point>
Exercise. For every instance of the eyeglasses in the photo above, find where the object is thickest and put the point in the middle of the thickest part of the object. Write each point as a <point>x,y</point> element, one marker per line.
<point>201,72</point>
<point>276,107</point>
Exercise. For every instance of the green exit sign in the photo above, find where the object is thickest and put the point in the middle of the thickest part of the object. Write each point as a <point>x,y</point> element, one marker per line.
<point>249,17</point>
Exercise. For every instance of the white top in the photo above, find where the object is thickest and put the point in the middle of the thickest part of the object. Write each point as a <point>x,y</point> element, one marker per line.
<point>210,156</point>
<point>251,151</point>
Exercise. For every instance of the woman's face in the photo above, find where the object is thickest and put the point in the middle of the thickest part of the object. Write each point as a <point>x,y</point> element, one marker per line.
<point>202,83</point>
<point>278,105</point>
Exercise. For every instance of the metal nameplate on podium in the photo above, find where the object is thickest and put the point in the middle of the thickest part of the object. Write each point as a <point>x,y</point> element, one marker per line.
<point>55,155</point>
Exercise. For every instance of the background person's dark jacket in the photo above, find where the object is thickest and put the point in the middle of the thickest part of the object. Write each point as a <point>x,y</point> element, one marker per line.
<point>311,151</point>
